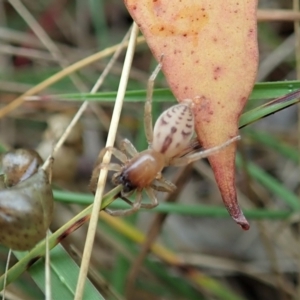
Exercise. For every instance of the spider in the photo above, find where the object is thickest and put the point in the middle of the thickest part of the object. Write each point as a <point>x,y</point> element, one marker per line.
<point>170,144</point>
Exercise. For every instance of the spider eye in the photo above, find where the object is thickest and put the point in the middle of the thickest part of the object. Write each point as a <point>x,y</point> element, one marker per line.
<point>126,189</point>
<point>127,185</point>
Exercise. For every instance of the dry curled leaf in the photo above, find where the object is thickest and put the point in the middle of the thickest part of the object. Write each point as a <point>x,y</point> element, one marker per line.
<point>18,165</point>
<point>26,200</point>
<point>210,56</point>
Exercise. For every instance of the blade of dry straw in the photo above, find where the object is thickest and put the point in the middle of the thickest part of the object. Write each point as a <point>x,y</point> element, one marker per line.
<point>103,173</point>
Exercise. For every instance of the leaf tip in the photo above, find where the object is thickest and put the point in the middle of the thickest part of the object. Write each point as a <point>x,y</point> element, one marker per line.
<point>242,221</point>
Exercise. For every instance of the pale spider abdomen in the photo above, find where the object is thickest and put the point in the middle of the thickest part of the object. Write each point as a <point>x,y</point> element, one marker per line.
<point>173,130</point>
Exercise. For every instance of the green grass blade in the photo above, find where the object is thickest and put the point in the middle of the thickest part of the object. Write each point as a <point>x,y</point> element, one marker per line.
<point>274,143</point>
<point>39,250</point>
<point>97,11</point>
<point>198,210</point>
<point>264,90</point>
<point>64,274</point>
<point>201,280</point>
<point>271,183</point>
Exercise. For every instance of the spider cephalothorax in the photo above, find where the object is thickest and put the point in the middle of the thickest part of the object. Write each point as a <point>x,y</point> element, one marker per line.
<point>170,144</point>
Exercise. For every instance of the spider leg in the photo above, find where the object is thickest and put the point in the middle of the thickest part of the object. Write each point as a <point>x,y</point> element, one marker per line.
<point>118,212</point>
<point>148,105</point>
<point>163,185</point>
<point>152,197</point>
<point>127,147</point>
<point>142,204</point>
<point>125,199</point>
<point>136,205</point>
<point>96,171</point>
<point>114,151</point>
<point>118,154</point>
<point>181,161</point>
<point>110,166</point>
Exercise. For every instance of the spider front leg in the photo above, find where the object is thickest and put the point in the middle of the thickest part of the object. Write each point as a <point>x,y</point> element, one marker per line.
<point>114,151</point>
<point>148,105</point>
<point>110,167</point>
<point>152,197</point>
<point>128,148</point>
<point>136,205</point>
<point>163,185</point>
<point>184,160</point>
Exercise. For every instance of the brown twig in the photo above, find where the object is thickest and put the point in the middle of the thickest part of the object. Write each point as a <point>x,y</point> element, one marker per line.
<point>155,229</point>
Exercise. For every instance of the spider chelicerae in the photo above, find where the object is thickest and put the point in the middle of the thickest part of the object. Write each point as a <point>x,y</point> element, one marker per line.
<point>171,143</point>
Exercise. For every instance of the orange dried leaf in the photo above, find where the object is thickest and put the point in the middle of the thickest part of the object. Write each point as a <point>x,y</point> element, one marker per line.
<point>210,56</point>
